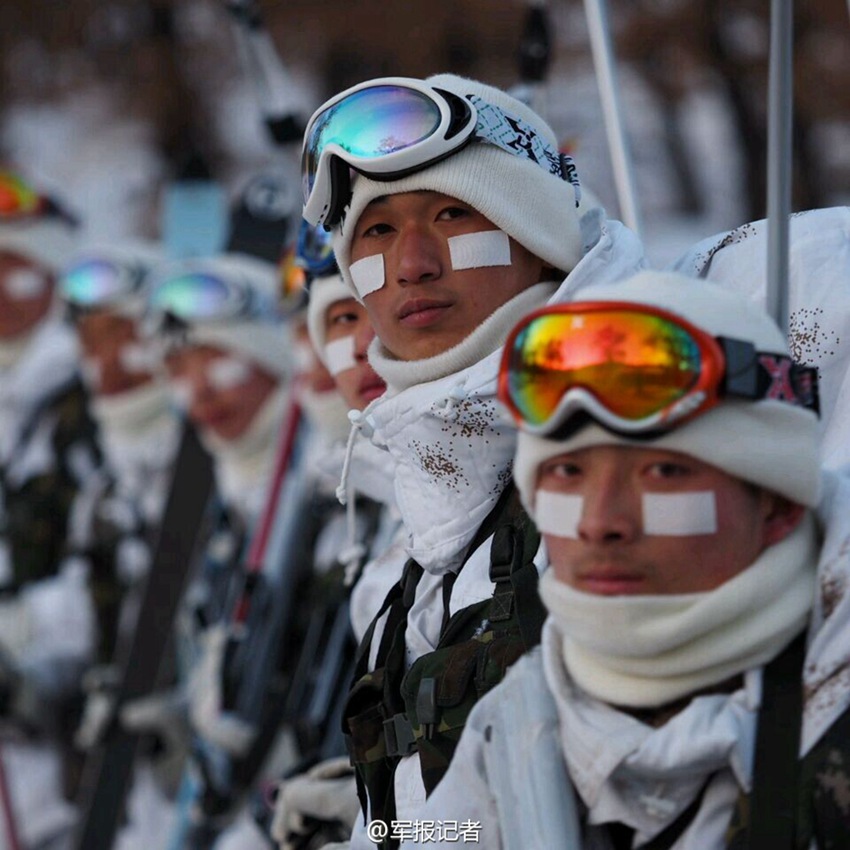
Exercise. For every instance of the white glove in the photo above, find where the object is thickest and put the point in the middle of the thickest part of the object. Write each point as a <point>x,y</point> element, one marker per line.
<point>62,614</point>
<point>162,715</point>
<point>100,684</point>
<point>223,728</point>
<point>326,792</point>
<point>48,630</point>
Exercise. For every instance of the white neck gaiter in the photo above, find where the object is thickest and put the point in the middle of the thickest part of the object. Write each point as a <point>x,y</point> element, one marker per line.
<point>485,339</point>
<point>133,414</point>
<point>244,466</point>
<point>12,350</point>
<point>450,445</point>
<point>327,412</point>
<point>645,651</point>
<point>139,434</point>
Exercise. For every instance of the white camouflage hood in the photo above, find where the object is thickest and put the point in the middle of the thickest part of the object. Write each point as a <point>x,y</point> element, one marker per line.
<point>819,302</point>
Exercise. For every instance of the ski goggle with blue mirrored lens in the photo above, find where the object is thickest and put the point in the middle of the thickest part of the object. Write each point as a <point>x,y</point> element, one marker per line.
<point>394,126</point>
<point>96,282</point>
<point>315,252</point>
<point>196,297</point>
<point>633,368</point>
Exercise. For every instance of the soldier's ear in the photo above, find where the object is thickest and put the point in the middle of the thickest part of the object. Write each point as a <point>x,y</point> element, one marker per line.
<point>781,516</point>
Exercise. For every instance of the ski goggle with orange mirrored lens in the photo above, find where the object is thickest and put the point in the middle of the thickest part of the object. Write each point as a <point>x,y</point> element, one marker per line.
<point>18,200</point>
<point>395,126</point>
<point>292,281</point>
<point>634,369</point>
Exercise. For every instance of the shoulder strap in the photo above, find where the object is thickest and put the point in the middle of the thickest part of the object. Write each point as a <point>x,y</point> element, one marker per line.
<point>773,802</point>
<point>43,406</point>
<point>503,512</point>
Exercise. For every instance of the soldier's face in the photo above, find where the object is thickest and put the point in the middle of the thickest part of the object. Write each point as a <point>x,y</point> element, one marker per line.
<point>647,521</point>
<point>348,327</point>
<point>107,339</point>
<point>426,306</point>
<point>26,293</point>
<point>223,392</point>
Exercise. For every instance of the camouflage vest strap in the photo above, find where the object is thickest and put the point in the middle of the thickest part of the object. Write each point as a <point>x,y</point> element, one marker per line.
<point>774,814</point>
<point>477,646</point>
<point>379,722</point>
<point>372,701</point>
<point>35,511</point>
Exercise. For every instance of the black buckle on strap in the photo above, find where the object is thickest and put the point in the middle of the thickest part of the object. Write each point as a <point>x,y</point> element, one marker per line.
<point>399,737</point>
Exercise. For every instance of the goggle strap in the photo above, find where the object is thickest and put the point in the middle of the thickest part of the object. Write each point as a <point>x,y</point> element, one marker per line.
<point>759,375</point>
<point>518,137</point>
<point>460,112</point>
<point>340,181</point>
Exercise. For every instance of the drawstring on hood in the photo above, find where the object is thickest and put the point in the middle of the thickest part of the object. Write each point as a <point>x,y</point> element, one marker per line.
<point>354,551</point>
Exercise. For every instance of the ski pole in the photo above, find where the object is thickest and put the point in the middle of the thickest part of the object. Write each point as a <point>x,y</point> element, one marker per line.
<point>8,811</point>
<point>601,47</point>
<point>779,165</point>
<point>273,83</point>
<point>533,56</point>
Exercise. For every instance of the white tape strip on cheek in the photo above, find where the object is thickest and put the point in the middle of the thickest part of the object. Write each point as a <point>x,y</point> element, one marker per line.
<point>303,357</point>
<point>558,514</point>
<point>138,358</point>
<point>25,284</point>
<point>477,250</point>
<point>339,354</point>
<point>368,274</point>
<point>92,372</point>
<point>227,373</point>
<point>181,394</point>
<point>680,514</point>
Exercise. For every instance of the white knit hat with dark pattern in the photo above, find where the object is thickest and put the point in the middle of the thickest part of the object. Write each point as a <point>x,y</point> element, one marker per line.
<point>773,444</point>
<point>519,196</point>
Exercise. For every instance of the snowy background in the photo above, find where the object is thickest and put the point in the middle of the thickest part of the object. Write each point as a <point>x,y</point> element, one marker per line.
<point>101,101</point>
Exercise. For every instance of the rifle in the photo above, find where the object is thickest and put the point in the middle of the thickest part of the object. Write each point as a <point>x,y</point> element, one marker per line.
<point>261,612</point>
<point>325,668</point>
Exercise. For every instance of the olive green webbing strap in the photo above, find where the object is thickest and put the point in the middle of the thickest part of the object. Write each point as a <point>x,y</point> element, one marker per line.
<point>776,765</point>
<point>507,511</point>
<point>621,836</point>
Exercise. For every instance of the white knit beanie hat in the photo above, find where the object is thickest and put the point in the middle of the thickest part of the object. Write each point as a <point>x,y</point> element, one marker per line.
<point>519,196</point>
<point>264,339</point>
<point>324,291</point>
<point>772,444</point>
<point>47,239</point>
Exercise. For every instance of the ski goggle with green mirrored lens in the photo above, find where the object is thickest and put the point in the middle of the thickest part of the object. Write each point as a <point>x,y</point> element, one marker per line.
<point>93,283</point>
<point>18,200</point>
<point>635,369</point>
<point>195,296</point>
<point>394,126</point>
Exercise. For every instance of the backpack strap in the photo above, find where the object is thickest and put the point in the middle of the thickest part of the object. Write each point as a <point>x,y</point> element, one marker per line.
<point>776,768</point>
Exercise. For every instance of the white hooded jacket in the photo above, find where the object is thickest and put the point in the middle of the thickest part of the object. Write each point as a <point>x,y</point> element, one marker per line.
<point>818,301</point>
<point>517,736</point>
<point>453,448</point>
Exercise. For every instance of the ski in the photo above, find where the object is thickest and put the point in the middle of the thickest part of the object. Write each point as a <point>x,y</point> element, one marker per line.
<point>108,770</point>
